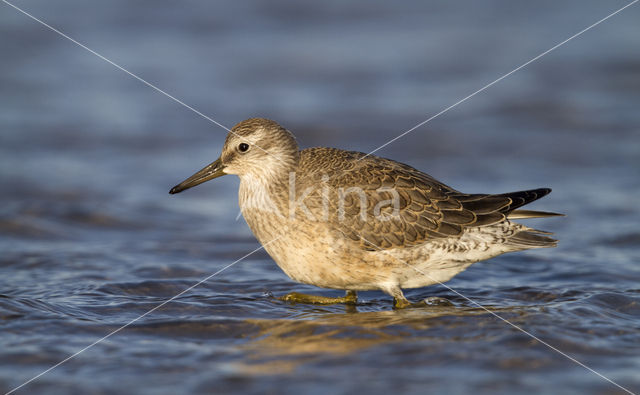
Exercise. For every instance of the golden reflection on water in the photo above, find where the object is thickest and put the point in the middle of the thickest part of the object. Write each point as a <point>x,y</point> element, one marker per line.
<point>283,344</point>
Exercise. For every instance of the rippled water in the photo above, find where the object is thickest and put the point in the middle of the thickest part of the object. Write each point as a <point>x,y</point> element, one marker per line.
<point>90,239</point>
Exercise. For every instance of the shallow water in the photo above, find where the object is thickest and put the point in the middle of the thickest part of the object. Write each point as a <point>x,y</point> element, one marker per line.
<point>91,240</point>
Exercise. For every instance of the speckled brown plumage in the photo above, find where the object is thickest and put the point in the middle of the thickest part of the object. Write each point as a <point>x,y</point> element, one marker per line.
<point>428,209</point>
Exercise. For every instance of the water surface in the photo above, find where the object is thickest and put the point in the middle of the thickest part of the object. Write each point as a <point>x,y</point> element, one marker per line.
<point>90,239</point>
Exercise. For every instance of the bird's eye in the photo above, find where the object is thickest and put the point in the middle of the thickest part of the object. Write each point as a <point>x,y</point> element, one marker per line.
<point>243,147</point>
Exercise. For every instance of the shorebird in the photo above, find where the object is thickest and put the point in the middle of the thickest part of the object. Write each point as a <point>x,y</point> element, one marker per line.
<point>351,221</point>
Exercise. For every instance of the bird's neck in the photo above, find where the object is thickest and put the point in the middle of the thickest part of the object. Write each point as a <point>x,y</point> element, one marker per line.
<point>263,192</point>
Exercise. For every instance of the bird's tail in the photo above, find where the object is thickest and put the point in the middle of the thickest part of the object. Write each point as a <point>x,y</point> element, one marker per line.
<point>529,237</point>
<point>492,210</point>
<point>532,238</point>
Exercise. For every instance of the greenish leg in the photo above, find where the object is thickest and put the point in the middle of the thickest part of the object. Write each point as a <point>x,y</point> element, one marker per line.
<point>401,303</point>
<point>296,297</point>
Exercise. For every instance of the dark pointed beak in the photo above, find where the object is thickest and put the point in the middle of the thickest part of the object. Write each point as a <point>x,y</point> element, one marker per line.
<point>211,171</point>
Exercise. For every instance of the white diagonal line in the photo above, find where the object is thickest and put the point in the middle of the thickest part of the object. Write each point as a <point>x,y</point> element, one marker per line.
<point>458,103</point>
<point>501,318</point>
<point>499,79</point>
<point>131,74</point>
<point>117,66</point>
<point>184,291</point>
<point>382,146</point>
<point>140,317</point>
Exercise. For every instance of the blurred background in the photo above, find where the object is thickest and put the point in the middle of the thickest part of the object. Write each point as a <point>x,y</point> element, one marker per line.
<point>90,238</point>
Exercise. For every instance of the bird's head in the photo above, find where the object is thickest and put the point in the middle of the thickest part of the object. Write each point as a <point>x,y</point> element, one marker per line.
<point>256,147</point>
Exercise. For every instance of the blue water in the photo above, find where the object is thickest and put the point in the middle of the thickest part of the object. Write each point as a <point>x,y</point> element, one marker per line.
<point>90,239</point>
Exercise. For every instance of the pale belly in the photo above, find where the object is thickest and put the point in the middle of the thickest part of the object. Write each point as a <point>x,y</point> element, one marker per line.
<point>310,253</point>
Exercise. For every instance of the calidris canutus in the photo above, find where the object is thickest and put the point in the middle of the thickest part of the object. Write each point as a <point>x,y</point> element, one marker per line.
<point>345,220</point>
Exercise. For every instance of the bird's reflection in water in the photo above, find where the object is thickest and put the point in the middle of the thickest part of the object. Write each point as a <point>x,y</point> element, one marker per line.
<point>279,346</point>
